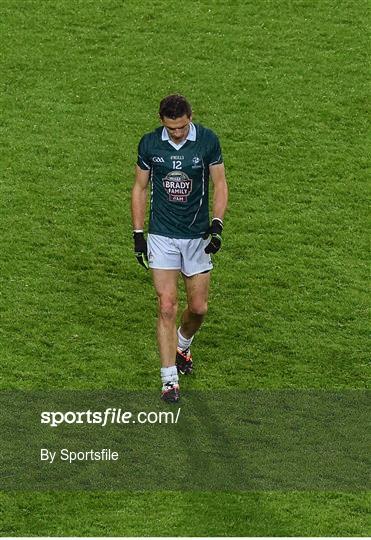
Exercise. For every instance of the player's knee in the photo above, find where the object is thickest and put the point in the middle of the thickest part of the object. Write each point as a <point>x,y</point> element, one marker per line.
<point>168,307</point>
<point>198,307</point>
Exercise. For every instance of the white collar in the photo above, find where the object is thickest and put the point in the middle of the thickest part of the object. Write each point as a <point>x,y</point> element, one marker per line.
<point>190,137</point>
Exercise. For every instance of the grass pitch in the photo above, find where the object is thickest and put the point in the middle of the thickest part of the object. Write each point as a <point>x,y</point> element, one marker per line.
<point>284,84</point>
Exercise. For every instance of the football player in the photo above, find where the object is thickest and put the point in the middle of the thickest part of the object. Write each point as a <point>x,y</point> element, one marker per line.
<point>175,163</point>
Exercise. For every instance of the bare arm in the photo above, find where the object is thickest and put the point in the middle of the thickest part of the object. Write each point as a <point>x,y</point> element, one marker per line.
<point>139,198</point>
<point>220,200</point>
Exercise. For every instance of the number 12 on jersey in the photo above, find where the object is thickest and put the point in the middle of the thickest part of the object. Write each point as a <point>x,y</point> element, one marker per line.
<point>177,165</point>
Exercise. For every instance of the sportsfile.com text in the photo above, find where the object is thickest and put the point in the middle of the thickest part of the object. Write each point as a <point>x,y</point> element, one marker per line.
<point>108,417</point>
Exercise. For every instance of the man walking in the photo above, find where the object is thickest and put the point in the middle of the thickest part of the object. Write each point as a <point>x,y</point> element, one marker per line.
<point>175,161</point>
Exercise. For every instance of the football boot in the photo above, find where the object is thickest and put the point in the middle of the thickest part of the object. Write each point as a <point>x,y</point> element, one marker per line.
<point>184,362</point>
<point>170,392</point>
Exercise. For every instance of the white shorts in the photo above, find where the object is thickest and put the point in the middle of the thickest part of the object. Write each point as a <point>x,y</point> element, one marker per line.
<point>184,254</point>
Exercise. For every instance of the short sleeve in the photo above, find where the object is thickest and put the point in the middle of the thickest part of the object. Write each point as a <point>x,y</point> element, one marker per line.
<point>215,154</point>
<point>143,160</point>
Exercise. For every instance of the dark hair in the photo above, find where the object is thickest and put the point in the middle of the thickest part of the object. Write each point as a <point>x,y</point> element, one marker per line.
<point>174,106</point>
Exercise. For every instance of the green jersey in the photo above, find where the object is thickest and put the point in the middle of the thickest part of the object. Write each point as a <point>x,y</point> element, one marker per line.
<point>179,180</point>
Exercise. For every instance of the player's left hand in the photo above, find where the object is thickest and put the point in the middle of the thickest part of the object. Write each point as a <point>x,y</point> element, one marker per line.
<point>215,231</point>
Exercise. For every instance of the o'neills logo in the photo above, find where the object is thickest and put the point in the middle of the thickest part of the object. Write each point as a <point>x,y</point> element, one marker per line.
<point>177,185</point>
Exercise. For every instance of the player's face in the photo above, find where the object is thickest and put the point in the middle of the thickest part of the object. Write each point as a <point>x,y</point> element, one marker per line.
<point>177,128</point>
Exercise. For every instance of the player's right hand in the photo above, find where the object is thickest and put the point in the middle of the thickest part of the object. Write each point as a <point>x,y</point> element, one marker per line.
<point>140,249</point>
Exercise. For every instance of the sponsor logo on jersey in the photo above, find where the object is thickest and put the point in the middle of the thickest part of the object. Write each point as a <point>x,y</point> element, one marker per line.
<point>157,159</point>
<point>178,186</point>
<point>177,157</point>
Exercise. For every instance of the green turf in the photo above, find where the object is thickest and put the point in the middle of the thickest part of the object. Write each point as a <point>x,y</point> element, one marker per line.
<point>284,84</point>
<point>188,514</point>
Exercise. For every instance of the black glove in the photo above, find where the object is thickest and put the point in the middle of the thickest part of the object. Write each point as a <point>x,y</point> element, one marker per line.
<point>215,230</point>
<point>140,248</point>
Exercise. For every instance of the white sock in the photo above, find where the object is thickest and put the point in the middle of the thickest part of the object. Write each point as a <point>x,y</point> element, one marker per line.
<point>169,375</point>
<point>184,343</point>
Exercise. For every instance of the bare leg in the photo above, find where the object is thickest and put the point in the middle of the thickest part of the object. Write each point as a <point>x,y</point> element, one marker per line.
<point>165,282</point>
<point>197,288</point>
